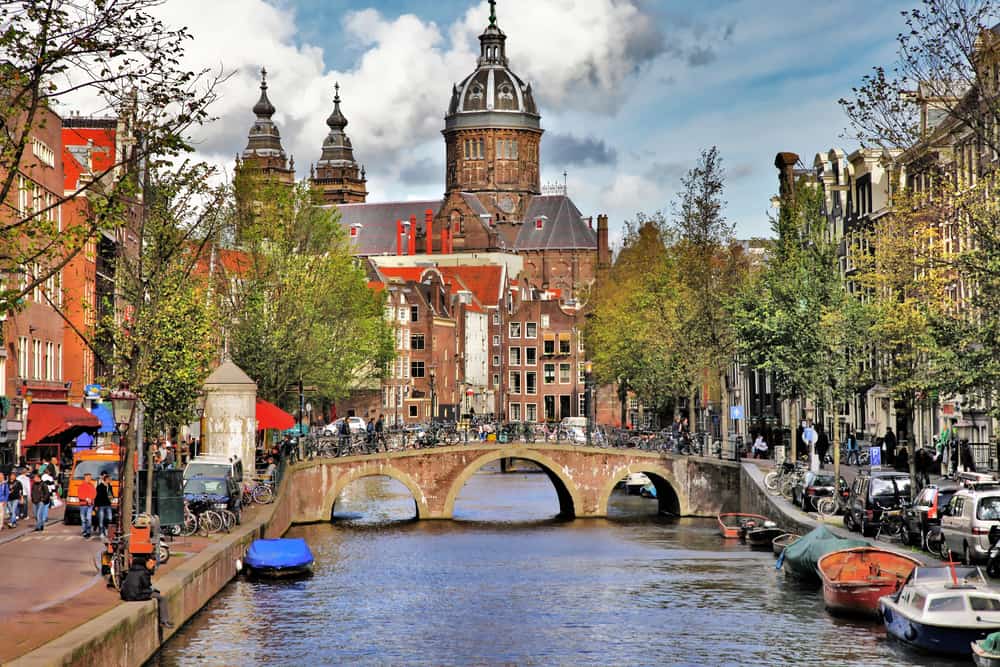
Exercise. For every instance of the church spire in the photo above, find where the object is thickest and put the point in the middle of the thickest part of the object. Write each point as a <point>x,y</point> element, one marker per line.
<point>493,50</point>
<point>264,109</point>
<point>337,174</point>
<point>336,121</point>
<point>264,153</point>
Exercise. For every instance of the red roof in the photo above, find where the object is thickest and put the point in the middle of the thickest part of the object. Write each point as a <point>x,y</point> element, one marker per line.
<point>270,416</point>
<point>102,156</point>
<point>403,272</point>
<point>376,286</point>
<point>48,420</point>
<point>483,281</point>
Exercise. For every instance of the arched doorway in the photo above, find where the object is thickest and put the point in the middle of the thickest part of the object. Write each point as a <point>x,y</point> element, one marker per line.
<point>533,488</point>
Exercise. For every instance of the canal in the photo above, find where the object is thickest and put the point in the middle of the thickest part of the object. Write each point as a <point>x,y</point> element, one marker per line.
<point>506,583</point>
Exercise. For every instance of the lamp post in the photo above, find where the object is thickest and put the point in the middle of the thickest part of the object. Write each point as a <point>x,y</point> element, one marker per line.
<point>200,410</point>
<point>588,388</point>
<point>433,373</point>
<point>123,402</point>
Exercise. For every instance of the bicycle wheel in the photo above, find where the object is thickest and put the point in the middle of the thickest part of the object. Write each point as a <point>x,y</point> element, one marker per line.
<point>826,507</point>
<point>209,522</point>
<point>119,568</point>
<point>162,554</point>
<point>787,485</point>
<point>263,494</point>
<point>190,525</point>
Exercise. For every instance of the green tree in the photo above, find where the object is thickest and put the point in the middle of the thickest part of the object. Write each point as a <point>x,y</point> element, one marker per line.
<point>298,306</point>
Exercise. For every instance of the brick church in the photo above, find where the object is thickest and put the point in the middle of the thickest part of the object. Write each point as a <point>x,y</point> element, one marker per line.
<point>493,212</point>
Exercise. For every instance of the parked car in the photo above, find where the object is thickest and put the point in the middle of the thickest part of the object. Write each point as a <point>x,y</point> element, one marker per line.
<point>216,467</point>
<point>967,519</point>
<point>871,495</point>
<point>223,492</point>
<point>925,513</point>
<point>355,424</point>
<point>814,485</point>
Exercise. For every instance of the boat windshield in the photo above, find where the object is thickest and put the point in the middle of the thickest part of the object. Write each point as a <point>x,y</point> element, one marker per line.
<point>950,603</point>
<point>989,509</point>
<point>965,575</point>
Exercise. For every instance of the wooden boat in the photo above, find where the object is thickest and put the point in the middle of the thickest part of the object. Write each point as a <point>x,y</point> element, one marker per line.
<point>801,558</point>
<point>779,543</point>
<point>854,579</point>
<point>984,652</point>
<point>762,537</point>
<point>943,610</point>
<point>731,523</point>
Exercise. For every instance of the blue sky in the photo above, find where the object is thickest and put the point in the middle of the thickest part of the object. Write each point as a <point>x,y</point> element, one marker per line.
<point>630,90</point>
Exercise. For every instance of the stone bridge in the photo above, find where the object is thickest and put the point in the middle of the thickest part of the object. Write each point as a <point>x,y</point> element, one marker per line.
<point>583,477</point>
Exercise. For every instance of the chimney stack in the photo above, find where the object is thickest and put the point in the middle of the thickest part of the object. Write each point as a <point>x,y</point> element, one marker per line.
<point>603,250</point>
<point>413,235</point>
<point>399,237</point>
<point>429,230</point>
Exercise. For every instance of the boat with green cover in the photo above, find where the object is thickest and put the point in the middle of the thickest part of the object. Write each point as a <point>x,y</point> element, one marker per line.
<point>801,557</point>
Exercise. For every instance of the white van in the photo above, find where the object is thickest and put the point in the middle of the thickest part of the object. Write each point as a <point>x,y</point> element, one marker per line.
<point>575,428</point>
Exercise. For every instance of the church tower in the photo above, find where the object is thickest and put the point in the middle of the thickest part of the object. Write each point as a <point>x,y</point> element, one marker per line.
<point>492,136</point>
<point>337,176</point>
<point>264,157</point>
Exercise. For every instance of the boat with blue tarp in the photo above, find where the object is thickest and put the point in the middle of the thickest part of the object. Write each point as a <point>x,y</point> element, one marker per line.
<point>279,557</point>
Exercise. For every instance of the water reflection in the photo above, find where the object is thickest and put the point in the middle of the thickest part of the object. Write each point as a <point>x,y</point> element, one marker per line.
<point>508,584</point>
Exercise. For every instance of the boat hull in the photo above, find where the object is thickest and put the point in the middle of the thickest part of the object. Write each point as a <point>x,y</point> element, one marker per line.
<point>731,524</point>
<point>856,599</point>
<point>982,658</point>
<point>779,543</point>
<point>855,579</point>
<point>279,572</point>
<point>763,538</point>
<point>938,639</point>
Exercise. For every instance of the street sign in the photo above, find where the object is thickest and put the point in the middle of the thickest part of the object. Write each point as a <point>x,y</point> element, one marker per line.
<point>875,457</point>
<point>92,391</point>
<point>736,412</point>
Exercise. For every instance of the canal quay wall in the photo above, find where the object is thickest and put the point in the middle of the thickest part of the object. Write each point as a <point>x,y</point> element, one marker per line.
<point>755,499</point>
<point>128,635</point>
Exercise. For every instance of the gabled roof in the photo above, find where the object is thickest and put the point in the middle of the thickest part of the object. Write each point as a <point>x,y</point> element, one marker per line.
<point>563,227</point>
<point>86,150</point>
<point>405,273</point>
<point>485,281</point>
<point>377,235</point>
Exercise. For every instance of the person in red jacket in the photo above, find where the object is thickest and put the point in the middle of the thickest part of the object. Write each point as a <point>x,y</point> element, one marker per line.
<point>87,492</point>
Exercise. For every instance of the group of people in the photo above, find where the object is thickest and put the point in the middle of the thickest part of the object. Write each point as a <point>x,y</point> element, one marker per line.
<point>29,491</point>
<point>167,455</point>
<point>95,502</point>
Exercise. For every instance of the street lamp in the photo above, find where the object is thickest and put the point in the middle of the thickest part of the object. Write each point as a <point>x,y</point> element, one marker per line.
<point>123,402</point>
<point>433,373</point>
<point>588,388</point>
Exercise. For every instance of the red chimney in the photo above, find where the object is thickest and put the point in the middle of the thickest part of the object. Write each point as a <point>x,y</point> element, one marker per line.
<point>413,235</point>
<point>444,241</point>
<point>399,237</point>
<point>429,230</point>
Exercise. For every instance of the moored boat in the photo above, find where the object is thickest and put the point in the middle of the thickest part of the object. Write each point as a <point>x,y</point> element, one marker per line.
<point>731,524</point>
<point>800,558</point>
<point>943,610</point>
<point>635,482</point>
<point>762,536</point>
<point>281,557</point>
<point>854,579</point>
<point>779,543</point>
<point>986,652</point>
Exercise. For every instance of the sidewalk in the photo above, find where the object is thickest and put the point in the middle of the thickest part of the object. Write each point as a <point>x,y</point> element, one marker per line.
<point>52,584</point>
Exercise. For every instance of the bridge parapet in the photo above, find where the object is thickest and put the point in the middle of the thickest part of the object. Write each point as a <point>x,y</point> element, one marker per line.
<point>584,478</point>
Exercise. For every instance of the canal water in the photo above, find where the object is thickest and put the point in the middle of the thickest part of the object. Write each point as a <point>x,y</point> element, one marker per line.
<point>507,584</point>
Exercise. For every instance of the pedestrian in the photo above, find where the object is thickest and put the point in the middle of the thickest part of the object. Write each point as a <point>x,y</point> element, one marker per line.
<point>889,440</point>
<point>272,469</point>
<point>14,496</point>
<point>4,498</point>
<point>851,440</point>
<point>948,441</point>
<point>103,495</point>
<point>810,438</point>
<point>41,496</point>
<point>168,458</point>
<point>25,481</point>
<point>87,494</point>
<point>759,448</point>
<point>370,433</point>
<point>138,587</point>
<point>967,456</point>
<point>822,444</point>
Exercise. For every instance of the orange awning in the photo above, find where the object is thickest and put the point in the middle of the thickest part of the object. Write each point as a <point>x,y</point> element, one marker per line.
<point>46,421</point>
<point>270,416</point>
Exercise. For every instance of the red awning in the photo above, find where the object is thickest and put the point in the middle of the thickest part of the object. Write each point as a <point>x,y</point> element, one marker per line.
<point>48,420</point>
<point>270,416</point>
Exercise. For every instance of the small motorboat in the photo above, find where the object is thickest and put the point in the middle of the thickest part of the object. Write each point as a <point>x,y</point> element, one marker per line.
<point>943,610</point>
<point>280,557</point>
<point>635,482</point>
<point>854,579</point>
<point>761,536</point>
<point>986,652</point>
<point>801,557</point>
<point>779,543</point>
<point>731,524</point>
<point>648,491</point>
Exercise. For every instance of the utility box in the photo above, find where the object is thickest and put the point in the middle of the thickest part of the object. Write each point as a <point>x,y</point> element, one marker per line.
<point>168,495</point>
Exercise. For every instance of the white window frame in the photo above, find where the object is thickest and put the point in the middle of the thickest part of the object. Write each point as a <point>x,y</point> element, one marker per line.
<point>515,385</point>
<point>515,412</point>
<point>528,333</point>
<point>527,386</point>
<point>531,412</point>
<point>22,358</point>
<point>496,359</point>
<point>514,330</point>
<point>50,361</point>
<point>569,373</point>
<point>555,374</point>
<point>36,362</point>
<point>514,356</point>
<point>496,341</point>
<point>544,320</point>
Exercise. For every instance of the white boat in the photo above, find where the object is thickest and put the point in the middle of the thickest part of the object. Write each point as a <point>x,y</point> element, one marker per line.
<point>635,481</point>
<point>942,610</point>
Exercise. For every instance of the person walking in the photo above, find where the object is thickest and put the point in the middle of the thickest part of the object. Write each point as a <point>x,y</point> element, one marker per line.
<point>25,481</point>
<point>852,448</point>
<point>138,587</point>
<point>810,438</point>
<point>889,440</point>
<point>380,433</point>
<point>41,496</point>
<point>14,496</point>
<point>87,493</point>
<point>948,441</point>
<point>4,498</point>
<point>103,495</point>
<point>822,444</point>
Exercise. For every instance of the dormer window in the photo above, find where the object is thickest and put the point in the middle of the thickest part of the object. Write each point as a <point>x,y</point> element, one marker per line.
<point>539,223</point>
<point>355,230</point>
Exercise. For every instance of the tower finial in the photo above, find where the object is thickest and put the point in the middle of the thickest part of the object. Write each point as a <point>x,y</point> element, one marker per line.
<point>263,79</point>
<point>493,12</point>
<point>336,92</point>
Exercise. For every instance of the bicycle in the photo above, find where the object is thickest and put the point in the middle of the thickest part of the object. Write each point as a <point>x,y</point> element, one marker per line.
<point>891,524</point>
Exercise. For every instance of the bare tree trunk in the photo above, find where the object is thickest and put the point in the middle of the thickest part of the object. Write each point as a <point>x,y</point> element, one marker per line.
<point>691,415</point>
<point>724,407</point>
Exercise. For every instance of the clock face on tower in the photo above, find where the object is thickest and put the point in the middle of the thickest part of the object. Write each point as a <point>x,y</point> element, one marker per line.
<point>506,204</point>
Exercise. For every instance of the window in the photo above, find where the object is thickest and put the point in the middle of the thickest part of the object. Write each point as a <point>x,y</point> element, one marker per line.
<point>50,361</point>
<point>515,356</point>
<point>989,509</point>
<point>984,604</point>
<point>550,408</point>
<point>496,380</point>
<point>414,313</point>
<point>531,330</point>
<point>579,344</point>
<point>564,373</point>
<point>496,319</point>
<point>402,313</point>
<point>515,412</point>
<point>549,346</point>
<point>417,342</point>
<point>581,373</point>
<point>22,357</point>
<point>515,329</point>
<point>413,411</point>
<point>515,382</point>
<point>531,383</point>
<point>549,372</point>
<point>530,356</point>
<point>496,359</point>
<point>545,321</point>
<point>950,603</point>
<point>583,404</point>
<point>530,412</point>
<point>417,369</point>
<point>496,341</point>
<point>564,343</point>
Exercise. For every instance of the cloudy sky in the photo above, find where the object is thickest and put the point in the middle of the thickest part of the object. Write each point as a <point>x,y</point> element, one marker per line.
<point>630,90</point>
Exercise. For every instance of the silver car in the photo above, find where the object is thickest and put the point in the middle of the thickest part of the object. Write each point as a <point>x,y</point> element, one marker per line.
<point>966,521</point>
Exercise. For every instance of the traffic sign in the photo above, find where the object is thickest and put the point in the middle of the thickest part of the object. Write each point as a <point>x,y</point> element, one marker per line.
<point>736,412</point>
<point>875,457</point>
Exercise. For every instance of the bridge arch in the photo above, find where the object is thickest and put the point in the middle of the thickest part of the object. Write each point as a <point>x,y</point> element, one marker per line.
<point>570,501</point>
<point>670,499</point>
<point>375,470</point>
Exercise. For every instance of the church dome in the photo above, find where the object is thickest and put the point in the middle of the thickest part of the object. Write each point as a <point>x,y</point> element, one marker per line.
<point>492,96</point>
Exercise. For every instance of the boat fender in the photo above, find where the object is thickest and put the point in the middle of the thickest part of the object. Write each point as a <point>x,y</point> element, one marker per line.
<point>239,564</point>
<point>910,633</point>
<point>781,559</point>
